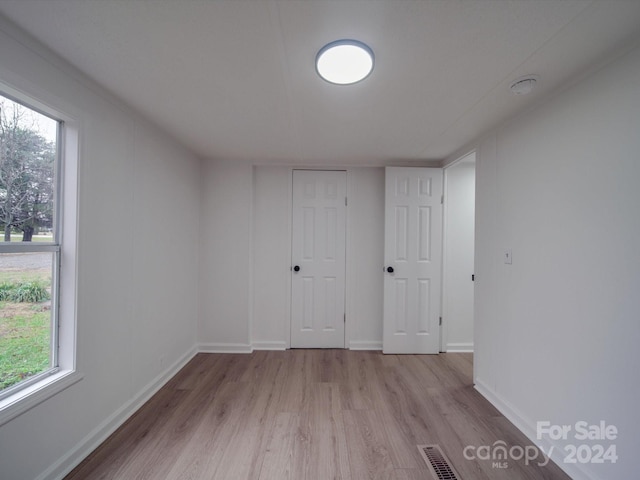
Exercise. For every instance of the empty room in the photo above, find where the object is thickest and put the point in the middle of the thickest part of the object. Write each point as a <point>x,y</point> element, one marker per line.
<point>319,239</point>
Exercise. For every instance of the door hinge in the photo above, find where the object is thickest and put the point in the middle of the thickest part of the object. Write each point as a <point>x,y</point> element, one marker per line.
<point>440,323</point>
<point>345,201</point>
<point>345,318</point>
<point>441,199</point>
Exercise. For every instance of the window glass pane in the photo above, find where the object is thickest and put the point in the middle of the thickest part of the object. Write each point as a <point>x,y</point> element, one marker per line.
<point>25,316</point>
<point>27,171</point>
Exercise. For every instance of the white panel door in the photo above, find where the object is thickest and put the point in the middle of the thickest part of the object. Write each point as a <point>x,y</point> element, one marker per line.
<point>318,259</point>
<point>413,251</point>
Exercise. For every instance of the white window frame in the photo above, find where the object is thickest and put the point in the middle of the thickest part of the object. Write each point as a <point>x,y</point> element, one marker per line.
<point>27,394</point>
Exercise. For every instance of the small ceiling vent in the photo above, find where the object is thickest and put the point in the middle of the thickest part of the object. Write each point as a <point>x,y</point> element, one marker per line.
<point>524,85</point>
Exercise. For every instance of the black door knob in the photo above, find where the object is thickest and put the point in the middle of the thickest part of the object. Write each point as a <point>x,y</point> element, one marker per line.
<point>296,268</point>
<point>390,269</point>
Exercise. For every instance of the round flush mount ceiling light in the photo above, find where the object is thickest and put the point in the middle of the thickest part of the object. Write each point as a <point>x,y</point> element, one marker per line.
<point>524,85</point>
<point>344,62</point>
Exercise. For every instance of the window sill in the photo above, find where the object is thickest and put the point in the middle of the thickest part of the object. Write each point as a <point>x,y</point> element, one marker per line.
<point>26,399</point>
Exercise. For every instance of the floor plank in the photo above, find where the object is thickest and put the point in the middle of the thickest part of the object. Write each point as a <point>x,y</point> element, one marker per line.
<point>310,415</point>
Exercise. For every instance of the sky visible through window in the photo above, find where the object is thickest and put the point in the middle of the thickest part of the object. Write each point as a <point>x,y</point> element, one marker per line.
<point>30,119</point>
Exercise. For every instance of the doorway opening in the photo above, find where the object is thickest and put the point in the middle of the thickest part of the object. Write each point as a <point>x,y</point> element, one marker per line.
<point>458,261</point>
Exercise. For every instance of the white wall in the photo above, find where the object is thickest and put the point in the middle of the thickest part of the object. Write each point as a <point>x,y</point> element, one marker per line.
<point>459,234</point>
<point>137,265</point>
<point>225,257</point>
<point>365,257</point>
<point>271,257</point>
<point>246,297</point>
<point>558,331</point>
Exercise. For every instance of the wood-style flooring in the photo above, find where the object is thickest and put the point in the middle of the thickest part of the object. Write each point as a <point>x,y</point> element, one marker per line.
<point>314,415</point>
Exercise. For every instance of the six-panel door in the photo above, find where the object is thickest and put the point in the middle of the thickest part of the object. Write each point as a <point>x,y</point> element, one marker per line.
<point>413,251</point>
<point>318,259</point>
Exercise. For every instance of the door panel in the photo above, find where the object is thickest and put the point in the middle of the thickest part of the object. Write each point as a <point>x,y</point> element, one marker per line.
<point>319,249</point>
<point>413,249</point>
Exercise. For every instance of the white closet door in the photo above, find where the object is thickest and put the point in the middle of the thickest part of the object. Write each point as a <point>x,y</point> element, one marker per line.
<point>413,260</point>
<point>318,259</point>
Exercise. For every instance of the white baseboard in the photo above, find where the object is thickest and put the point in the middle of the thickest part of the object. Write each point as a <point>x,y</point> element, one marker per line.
<point>269,345</point>
<point>528,428</point>
<point>225,348</point>
<point>274,345</point>
<point>88,444</point>
<point>459,347</point>
<point>364,345</point>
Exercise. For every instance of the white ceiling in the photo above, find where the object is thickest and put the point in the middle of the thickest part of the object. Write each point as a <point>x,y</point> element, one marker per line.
<point>236,79</point>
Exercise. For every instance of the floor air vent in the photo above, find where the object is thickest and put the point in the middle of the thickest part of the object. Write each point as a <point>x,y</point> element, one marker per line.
<point>438,463</point>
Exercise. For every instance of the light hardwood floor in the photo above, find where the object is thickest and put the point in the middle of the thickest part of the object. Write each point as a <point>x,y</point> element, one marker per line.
<point>310,414</point>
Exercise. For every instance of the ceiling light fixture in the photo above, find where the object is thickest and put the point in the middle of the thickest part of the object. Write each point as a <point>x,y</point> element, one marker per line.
<point>344,62</point>
<point>524,85</point>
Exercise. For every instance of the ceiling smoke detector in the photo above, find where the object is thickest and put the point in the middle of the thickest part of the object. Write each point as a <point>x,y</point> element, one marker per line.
<point>524,85</point>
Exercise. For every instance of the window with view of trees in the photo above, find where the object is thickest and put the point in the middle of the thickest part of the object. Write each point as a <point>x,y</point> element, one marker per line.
<point>29,245</point>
